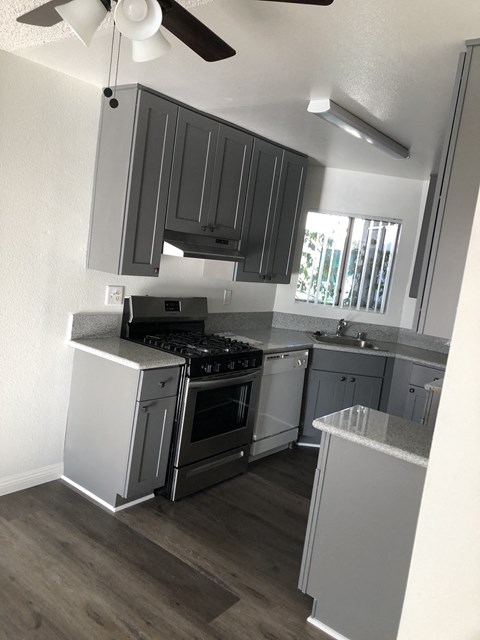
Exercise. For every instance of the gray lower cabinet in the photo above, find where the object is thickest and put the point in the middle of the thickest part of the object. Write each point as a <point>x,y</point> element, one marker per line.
<point>359,539</point>
<point>274,199</point>
<point>344,380</point>
<point>406,394</point>
<point>119,428</point>
<point>209,177</point>
<point>131,183</point>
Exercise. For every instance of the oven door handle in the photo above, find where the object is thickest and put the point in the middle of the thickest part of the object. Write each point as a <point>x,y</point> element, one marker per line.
<point>224,381</point>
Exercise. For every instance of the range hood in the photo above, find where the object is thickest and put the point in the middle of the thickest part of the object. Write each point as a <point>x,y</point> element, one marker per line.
<point>188,245</point>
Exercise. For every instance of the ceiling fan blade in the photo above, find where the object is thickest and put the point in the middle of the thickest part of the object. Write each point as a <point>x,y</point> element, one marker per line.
<point>194,33</point>
<point>44,15</point>
<point>320,3</point>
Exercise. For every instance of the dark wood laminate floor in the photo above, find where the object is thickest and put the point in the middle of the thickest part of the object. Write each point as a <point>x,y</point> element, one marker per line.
<point>220,565</point>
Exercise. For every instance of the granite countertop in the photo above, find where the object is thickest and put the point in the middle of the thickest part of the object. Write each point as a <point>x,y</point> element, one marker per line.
<point>275,340</point>
<point>130,354</point>
<point>389,434</point>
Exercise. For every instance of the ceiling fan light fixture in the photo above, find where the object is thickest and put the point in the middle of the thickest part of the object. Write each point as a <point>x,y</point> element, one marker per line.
<point>83,17</point>
<point>151,48</point>
<point>138,19</point>
<point>340,117</point>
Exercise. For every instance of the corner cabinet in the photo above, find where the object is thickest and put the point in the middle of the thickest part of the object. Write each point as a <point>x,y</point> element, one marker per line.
<point>337,381</point>
<point>119,428</point>
<point>209,177</point>
<point>407,394</point>
<point>273,206</point>
<point>132,176</point>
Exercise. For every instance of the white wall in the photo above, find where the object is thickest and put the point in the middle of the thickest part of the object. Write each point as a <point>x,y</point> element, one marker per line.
<point>342,191</point>
<point>47,150</point>
<point>443,591</point>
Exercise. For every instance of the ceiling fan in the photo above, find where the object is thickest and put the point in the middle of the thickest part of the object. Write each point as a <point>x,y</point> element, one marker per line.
<point>139,20</point>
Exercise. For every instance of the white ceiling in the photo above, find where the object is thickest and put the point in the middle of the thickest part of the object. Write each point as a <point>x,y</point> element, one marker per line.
<point>391,63</point>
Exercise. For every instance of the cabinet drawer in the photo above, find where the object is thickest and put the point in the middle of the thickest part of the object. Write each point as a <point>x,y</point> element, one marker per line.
<point>421,375</point>
<point>341,362</point>
<point>158,383</point>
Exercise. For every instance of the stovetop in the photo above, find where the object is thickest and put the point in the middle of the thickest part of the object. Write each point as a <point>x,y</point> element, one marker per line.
<point>191,344</point>
<point>207,354</point>
<point>178,326</point>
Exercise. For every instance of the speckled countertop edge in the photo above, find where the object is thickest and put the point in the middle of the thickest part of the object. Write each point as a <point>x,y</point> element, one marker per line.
<point>130,354</point>
<point>414,436</point>
<point>275,340</point>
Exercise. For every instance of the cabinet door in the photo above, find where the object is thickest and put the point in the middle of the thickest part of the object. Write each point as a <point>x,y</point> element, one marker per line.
<point>325,394</point>
<point>229,184</point>
<point>259,211</point>
<point>150,446</point>
<point>192,173</point>
<point>363,390</point>
<point>415,404</point>
<point>148,189</point>
<point>284,233</point>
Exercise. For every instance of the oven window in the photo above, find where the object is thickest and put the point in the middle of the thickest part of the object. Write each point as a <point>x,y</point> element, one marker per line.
<point>219,411</point>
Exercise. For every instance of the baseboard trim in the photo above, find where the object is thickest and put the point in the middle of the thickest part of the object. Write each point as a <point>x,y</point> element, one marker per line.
<point>102,502</point>
<point>20,481</point>
<point>323,627</point>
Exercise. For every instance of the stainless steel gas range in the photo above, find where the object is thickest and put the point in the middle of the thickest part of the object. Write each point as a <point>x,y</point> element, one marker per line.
<point>218,395</point>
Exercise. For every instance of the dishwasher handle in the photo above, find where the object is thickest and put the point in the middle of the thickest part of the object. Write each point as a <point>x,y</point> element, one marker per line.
<point>286,361</point>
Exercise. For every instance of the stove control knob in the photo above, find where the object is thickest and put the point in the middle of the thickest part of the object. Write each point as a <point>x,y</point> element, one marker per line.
<point>245,364</point>
<point>231,365</point>
<point>253,363</point>
<point>206,368</point>
<point>216,367</point>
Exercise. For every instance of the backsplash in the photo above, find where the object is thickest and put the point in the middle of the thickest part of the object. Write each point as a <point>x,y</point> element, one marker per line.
<point>87,325</point>
<point>378,332</point>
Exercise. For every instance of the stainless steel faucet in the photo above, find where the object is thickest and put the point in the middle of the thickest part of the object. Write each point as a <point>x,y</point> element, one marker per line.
<point>342,325</point>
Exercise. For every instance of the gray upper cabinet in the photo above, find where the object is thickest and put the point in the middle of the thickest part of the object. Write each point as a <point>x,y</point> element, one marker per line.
<point>131,183</point>
<point>441,263</point>
<point>274,199</point>
<point>209,177</point>
<point>192,172</point>
<point>230,180</point>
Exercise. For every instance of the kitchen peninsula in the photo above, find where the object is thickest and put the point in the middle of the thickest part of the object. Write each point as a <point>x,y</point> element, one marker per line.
<point>363,516</point>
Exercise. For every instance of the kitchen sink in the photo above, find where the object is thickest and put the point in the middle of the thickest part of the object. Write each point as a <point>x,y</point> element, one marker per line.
<point>343,341</point>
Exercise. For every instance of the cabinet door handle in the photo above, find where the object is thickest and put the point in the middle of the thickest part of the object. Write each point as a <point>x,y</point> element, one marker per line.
<point>342,378</point>
<point>204,228</point>
<point>411,390</point>
<point>144,409</point>
<point>352,379</point>
<point>156,270</point>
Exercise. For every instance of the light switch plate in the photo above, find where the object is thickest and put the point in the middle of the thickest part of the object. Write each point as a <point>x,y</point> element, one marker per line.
<point>114,294</point>
<point>227,296</point>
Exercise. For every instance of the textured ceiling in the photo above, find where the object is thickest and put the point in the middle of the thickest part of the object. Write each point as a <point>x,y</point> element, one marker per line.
<point>14,35</point>
<point>391,63</point>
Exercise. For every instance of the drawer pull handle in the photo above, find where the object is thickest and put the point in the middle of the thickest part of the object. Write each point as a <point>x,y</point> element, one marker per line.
<point>144,409</point>
<point>162,384</point>
<point>342,378</point>
<point>352,379</point>
<point>411,390</point>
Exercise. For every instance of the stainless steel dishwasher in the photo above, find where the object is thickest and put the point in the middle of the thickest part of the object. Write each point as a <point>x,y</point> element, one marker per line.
<point>278,413</point>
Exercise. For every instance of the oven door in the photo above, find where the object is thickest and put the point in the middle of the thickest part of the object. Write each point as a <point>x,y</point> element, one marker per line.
<point>218,414</point>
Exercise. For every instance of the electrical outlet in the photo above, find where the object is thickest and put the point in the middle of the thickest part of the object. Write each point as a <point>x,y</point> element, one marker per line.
<point>114,294</point>
<point>227,296</point>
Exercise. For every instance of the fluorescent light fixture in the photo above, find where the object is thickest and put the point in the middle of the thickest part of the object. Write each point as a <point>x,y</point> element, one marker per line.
<point>83,16</point>
<point>340,117</point>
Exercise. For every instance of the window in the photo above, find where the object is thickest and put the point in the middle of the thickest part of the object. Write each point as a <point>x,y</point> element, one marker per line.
<point>347,261</point>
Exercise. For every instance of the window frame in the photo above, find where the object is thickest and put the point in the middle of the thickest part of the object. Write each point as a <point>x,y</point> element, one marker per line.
<point>346,252</point>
